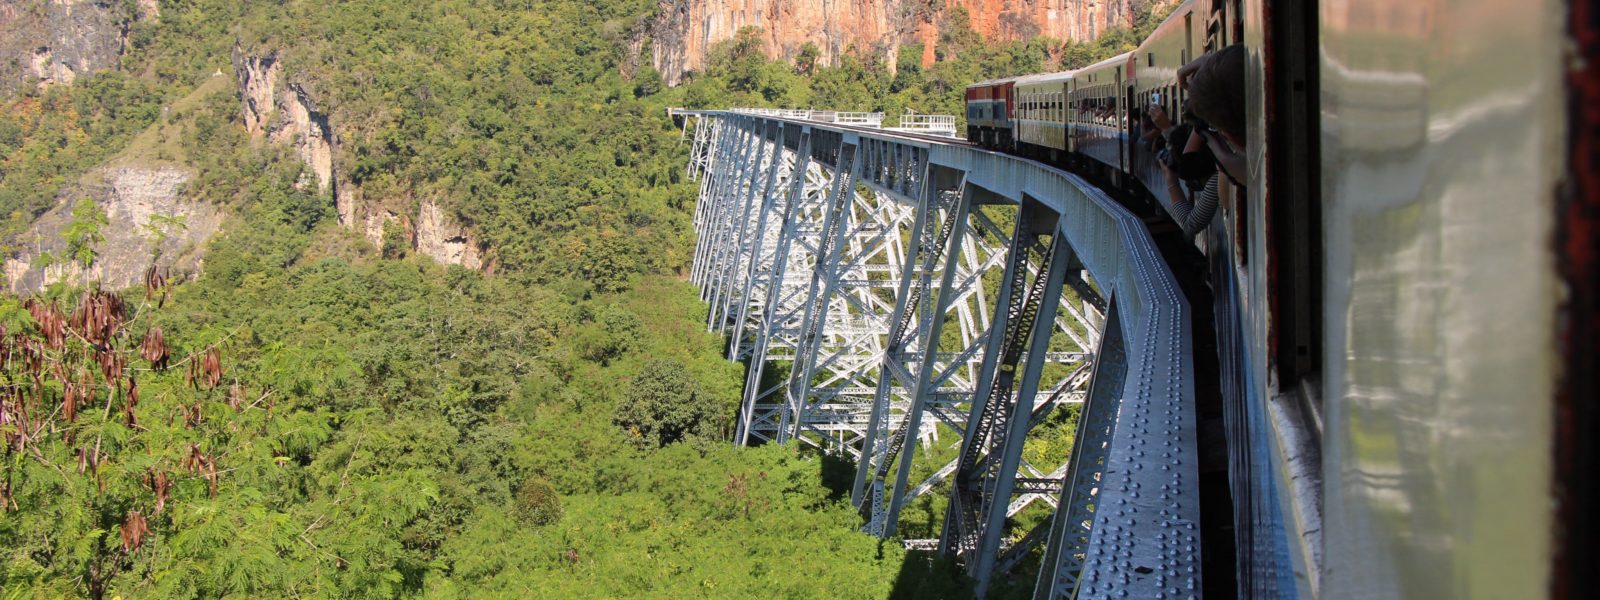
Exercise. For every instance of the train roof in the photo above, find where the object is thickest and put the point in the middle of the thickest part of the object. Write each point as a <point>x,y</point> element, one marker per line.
<point>994,82</point>
<point>1115,61</point>
<point>1045,78</point>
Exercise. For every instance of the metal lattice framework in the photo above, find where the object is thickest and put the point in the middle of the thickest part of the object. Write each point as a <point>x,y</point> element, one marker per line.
<point>865,279</point>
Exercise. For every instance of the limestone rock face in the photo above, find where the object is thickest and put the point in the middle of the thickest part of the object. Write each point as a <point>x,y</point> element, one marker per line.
<point>49,42</point>
<point>307,131</point>
<point>285,113</point>
<point>258,82</point>
<point>442,239</point>
<point>684,30</point>
<point>149,222</point>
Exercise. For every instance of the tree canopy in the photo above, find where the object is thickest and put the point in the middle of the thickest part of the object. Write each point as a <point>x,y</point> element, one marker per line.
<point>316,416</point>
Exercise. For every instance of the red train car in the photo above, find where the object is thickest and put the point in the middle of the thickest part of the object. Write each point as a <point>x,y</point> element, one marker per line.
<point>991,112</point>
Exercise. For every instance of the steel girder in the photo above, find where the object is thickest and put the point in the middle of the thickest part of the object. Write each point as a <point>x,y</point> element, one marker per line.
<point>796,258</point>
<point>985,475</point>
<point>845,254</point>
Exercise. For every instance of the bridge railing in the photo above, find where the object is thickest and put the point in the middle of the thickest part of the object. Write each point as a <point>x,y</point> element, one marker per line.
<point>863,119</point>
<point>931,124</point>
<point>854,119</point>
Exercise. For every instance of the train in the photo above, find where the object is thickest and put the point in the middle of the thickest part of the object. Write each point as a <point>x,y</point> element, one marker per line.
<point>1398,303</point>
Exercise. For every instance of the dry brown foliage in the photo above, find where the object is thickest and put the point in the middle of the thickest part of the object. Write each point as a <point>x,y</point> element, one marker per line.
<point>154,349</point>
<point>134,528</point>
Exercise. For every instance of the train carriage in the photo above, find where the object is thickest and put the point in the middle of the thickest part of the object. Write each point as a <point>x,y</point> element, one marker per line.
<point>1041,123</point>
<point>1173,44</point>
<point>1098,112</point>
<point>990,111</point>
<point>1382,286</point>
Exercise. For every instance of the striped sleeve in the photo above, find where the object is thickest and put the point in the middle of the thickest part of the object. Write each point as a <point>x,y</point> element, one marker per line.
<point>1196,216</point>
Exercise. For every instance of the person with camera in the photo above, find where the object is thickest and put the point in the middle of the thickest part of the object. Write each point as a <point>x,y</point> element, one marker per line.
<point>1211,137</point>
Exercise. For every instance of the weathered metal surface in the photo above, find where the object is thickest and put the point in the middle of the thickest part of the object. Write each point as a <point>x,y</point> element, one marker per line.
<point>1442,150</point>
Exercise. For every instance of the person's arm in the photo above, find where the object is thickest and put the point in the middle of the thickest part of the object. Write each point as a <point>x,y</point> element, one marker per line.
<point>1177,199</point>
<point>1162,121</point>
<point>1231,161</point>
<point>1185,71</point>
<point>1205,207</point>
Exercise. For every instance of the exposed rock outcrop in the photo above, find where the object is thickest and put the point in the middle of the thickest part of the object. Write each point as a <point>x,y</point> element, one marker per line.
<point>684,30</point>
<point>148,222</point>
<point>285,113</point>
<point>48,42</point>
<point>258,84</point>
<point>443,240</point>
<point>308,132</point>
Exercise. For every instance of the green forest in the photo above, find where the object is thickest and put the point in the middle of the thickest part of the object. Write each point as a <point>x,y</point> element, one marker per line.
<point>314,416</point>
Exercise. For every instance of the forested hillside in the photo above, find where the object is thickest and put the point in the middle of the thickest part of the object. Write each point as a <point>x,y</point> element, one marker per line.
<point>311,414</point>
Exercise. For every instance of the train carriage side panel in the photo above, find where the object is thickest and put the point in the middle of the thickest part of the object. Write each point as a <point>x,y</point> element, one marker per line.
<point>1005,113</point>
<point>1098,112</point>
<point>1041,113</point>
<point>1157,61</point>
<point>1442,140</point>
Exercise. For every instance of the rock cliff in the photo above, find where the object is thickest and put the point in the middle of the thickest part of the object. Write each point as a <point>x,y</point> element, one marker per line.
<point>684,30</point>
<point>285,113</point>
<point>442,239</point>
<point>148,222</point>
<point>46,42</point>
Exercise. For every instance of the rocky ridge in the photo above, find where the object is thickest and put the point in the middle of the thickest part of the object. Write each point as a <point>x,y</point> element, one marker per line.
<point>148,222</point>
<point>683,31</point>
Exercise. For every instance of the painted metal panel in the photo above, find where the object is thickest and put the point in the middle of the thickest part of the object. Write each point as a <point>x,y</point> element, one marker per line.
<point>1042,110</point>
<point>1442,145</point>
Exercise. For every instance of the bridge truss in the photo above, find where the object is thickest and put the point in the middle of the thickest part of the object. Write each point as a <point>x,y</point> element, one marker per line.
<point>890,292</point>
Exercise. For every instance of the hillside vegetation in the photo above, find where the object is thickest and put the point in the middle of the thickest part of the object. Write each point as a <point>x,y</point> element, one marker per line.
<point>317,417</point>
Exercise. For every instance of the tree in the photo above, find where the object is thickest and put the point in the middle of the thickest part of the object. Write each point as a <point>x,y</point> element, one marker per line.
<point>805,63</point>
<point>664,406</point>
<point>83,231</point>
<point>538,503</point>
<point>160,227</point>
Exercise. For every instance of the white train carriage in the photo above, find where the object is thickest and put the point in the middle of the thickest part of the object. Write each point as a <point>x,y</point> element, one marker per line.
<point>1042,114</point>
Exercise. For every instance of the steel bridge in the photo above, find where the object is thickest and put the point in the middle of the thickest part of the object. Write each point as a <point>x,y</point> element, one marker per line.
<point>894,293</point>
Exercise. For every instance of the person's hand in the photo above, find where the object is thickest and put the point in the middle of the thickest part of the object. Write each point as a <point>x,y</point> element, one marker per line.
<point>1159,116</point>
<point>1186,70</point>
<point>1232,162</point>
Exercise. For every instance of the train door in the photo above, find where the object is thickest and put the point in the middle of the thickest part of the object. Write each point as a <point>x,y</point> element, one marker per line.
<point>1123,101</point>
<point>1180,96</point>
